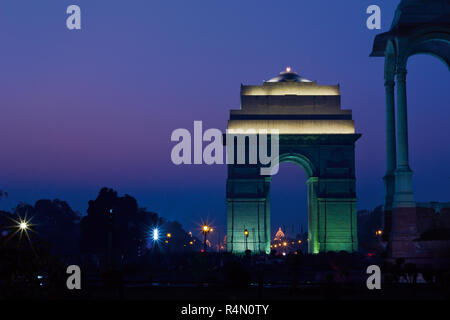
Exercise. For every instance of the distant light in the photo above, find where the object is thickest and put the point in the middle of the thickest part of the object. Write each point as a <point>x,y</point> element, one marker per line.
<point>285,244</point>
<point>284,253</point>
<point>155,234</point>
<point>23,225</point>
<point>300,241</point>
<point>191,243</point>
<point>169,235</point>
<point>288,69</point>
<point>246,232</point>
<point>39,277</point>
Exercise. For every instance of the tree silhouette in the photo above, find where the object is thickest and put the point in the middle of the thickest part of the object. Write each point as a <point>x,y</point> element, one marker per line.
<point>126,219</point>
<point>131,227</point>
<point>54,222</point>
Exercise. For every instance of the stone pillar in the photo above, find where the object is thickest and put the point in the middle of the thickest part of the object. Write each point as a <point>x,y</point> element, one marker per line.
<point>404,220</point>
<point>403,197</point>
<point>391,152</point>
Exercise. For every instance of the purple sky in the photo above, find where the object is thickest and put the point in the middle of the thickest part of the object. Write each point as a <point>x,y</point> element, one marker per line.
<point>85,109</point>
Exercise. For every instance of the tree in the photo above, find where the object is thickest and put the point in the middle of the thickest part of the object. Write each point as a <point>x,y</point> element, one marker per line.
<point>55,222</point>
<point>111,213</point>
<point>120,220</point>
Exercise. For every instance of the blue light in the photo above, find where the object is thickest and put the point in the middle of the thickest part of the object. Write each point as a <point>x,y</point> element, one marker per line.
<point>155,234</point>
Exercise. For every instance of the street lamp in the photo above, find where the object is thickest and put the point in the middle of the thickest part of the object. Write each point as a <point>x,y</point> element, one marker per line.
<point>155,234</point>
<point>23,226</point>
<point>111,240</point>
<point>246,239</point>
<point>169,236</point>
<point>205,230</point>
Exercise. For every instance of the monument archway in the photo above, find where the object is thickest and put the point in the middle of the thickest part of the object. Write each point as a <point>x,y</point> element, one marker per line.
<point>314,133</point>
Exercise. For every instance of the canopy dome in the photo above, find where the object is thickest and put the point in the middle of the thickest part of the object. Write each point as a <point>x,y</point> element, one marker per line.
<point>288,76</point>
<point>279,235</point>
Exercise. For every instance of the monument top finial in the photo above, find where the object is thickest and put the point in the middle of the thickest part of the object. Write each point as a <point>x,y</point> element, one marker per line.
<point>288,76</point>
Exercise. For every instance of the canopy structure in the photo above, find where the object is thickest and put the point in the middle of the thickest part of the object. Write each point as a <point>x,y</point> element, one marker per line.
<point>419,27</point>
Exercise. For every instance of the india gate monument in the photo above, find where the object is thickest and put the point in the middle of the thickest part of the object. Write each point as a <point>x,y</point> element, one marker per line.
<point>316,134</point>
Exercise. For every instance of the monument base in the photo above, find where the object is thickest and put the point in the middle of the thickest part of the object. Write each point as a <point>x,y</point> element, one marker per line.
<point>403,233</point>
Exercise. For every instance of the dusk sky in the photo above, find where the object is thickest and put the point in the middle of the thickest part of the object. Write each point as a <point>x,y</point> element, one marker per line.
<point>84,109</point>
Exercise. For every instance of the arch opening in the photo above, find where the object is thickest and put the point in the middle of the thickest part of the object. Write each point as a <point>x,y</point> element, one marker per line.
<point>427,96</point>
<point>289,208</point>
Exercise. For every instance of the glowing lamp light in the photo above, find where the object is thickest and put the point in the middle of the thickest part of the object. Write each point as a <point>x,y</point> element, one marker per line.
<point>379,232</point>
<point>23,225</point>
<point>288,69</point>
<point>246,233</point>
<point>169,235</point>
<point>285,244</point>
<point>155,234</point>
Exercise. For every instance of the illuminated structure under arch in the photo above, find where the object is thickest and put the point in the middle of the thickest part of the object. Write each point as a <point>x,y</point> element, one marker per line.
<point>316,134</point>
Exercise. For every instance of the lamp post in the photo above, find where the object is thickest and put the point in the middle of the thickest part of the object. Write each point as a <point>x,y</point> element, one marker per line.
<point>205,230</point>
<point>169,236</point>
<point>246,239</point>
<point>111,240</point>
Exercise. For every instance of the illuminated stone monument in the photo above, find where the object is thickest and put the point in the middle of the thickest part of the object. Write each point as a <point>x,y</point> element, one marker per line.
<point>317,135</point>
<point>419,27</point>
